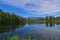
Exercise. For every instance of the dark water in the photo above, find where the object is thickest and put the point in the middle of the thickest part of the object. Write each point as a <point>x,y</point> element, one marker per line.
<point>39,31</point>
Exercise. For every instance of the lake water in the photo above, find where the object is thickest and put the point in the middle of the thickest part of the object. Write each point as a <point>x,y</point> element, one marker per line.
<point>39,31</point>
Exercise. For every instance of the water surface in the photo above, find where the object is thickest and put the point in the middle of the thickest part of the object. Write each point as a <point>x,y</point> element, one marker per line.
<point>39,31</point>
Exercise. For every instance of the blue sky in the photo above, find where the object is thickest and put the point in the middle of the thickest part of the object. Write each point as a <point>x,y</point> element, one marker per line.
<point>31,8</point>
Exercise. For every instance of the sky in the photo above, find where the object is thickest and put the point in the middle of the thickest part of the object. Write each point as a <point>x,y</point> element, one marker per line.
<point>31,8</point>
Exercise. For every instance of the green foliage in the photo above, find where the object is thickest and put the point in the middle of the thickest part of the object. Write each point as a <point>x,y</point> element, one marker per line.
<point>27,38</point>
<point>18,38</point>
<point>54,38</point>
<point>12,38</point>
<point>48,19</point>
<point>30,21</point>
<point>9,21</point>
<point>7,38</point>
<point>15,38</point>
<point>10,18</point>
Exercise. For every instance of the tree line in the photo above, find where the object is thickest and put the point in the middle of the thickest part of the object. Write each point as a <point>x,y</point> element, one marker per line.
<point>47,19</point>
<point>10,21</point>
<point>10,18</point>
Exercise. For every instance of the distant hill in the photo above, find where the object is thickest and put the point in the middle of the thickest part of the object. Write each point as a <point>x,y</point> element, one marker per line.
<point>35,18</point>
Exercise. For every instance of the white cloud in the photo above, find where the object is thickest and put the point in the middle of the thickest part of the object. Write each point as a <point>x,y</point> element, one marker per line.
<point>39,6</point>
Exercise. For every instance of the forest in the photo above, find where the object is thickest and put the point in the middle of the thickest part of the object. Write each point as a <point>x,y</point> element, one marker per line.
<point>47,19</point>
<point>10,21</point>
<point>10,18</point>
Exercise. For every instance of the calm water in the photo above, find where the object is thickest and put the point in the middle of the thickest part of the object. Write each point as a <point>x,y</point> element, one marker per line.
<point>39,31</point>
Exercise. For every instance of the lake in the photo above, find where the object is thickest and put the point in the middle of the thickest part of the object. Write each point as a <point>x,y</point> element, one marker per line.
<point>39,31</point>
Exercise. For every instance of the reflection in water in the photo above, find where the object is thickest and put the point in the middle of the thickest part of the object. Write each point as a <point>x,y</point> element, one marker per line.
<point>48,24</point>
<point>35,31</point>
<point>38,33</point>
<point>11,27</point>
<point>51,24</point>
<point>58,23</point>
